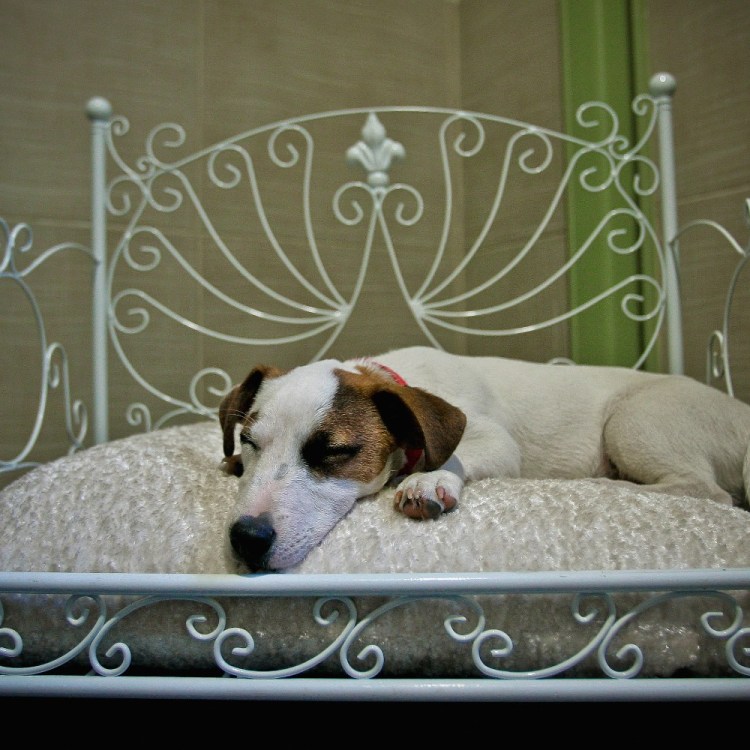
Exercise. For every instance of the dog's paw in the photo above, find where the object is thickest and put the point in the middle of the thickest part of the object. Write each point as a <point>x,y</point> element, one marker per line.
<point>428,495</point>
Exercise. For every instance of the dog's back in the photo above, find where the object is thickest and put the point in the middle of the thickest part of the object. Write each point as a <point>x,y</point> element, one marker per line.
<point>588,421</point>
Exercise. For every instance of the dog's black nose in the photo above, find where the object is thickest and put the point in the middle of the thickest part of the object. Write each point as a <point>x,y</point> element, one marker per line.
<point>251,538</point>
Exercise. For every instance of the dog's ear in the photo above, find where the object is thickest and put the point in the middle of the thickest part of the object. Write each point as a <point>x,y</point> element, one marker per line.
<point>233,408</point>
<point>419,419</point>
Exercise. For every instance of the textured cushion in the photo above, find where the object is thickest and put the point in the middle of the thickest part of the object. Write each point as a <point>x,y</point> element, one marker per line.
<point>158,503</point>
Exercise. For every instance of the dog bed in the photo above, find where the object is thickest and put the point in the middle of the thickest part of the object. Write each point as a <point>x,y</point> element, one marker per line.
<point>158,503</point>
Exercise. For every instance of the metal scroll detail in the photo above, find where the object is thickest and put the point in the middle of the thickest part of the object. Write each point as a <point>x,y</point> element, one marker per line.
<point>306,301</point>
<point>16,266</point>
<point>486,650</point>
<point>718,367</point>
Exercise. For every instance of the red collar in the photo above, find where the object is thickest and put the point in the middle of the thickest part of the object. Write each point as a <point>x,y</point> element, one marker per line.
<point>391,372</point>
<point>412,454</point>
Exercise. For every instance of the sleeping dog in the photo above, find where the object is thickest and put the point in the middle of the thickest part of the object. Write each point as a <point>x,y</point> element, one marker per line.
<point>316,438</point>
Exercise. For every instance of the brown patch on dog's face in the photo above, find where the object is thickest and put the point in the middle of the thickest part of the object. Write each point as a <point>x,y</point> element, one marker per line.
<point>351,442</point>
<point>378,416</point>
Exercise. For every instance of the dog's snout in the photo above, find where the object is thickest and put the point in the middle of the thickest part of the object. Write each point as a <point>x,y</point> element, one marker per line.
<point>251,538</point>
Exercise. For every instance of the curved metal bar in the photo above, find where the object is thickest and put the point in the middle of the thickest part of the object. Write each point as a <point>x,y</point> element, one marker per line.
<point>297,669</point>
<point>634,651</point>
<point>123,650</point>
<point>555,669</point>
<point>73,653</point>
<point>718,363</point>
<point>306,210</point>
<point>19,239</point>
<point>270,234</point>
<point>490,220</point>
<point>448,188</point>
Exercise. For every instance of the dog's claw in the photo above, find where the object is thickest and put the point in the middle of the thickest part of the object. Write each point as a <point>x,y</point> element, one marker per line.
<point>425,508</point>
<point>422,509</point>
<point>449,502</point>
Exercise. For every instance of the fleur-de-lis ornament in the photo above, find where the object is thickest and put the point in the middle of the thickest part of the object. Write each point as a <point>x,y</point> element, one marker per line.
<point>376,152</point>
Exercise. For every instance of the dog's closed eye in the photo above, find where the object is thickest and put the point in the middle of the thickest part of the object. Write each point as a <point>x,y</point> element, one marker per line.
<point>247,440</point>
<point>322,455</point>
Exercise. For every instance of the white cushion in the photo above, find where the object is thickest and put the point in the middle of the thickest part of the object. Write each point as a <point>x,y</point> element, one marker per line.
<point>159,503</point>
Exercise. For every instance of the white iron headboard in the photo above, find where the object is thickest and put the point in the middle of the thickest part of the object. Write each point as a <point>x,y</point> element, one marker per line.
<point>165,184</point>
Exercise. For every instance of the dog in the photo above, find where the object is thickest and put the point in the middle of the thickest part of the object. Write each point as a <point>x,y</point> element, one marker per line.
<point>315,439</point>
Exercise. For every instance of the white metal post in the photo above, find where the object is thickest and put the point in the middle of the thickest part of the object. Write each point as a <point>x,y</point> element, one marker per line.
<point>662,87</point>
<point>99,111</point>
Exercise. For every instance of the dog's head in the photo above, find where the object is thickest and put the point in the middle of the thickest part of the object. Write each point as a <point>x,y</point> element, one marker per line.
<point>312,441</point>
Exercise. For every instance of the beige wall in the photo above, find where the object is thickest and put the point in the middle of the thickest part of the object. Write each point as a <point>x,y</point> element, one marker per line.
<point>218,66</point>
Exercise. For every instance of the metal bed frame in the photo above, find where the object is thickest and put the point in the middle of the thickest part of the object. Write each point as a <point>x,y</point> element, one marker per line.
<point>374,153</point>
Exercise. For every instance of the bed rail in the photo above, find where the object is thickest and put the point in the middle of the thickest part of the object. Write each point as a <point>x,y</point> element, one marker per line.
<point>360,674</point>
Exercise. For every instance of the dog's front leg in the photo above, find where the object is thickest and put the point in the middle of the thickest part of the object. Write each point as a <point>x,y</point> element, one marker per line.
<point>486,450</point>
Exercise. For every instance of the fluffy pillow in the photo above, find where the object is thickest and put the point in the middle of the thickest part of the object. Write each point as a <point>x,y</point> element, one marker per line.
<point>157,503</point>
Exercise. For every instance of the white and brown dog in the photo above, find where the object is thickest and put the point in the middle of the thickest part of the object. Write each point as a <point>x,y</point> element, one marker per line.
<point>316,438</point>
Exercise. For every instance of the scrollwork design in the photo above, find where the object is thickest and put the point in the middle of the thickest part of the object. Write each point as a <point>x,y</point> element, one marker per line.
<point>438,316</point>
<point>76,414</point>
<point>174,197</point>
<point>459,141</point>
<point>77,613</point>
<point>374,652</point>
<point>525,157</point>
<point>175,140</point>
<point>617,150</point>
<point>18,240</point>
<point>591,115</point>
<point>248,644</point>
<point>400,210</point>
<point>235,174</point>
<point>618,233</point>
<point>122,650</point>
<point>644,108</point>
<point>356,206</point>
<point>148,175</point>
<point>507,645</point>
<point>404,216</point>
<point>645,176</point>
<point>202,376</point>
<point>151,253</point>
<point>53,361</point>
<point>294,154</point>
<point>598,164</point>
<point>733,644</point>
<point>634,653</point>
<point>600,175</point>
<point>717,352</point>
<point>139,415</point>
<point>119,202</point>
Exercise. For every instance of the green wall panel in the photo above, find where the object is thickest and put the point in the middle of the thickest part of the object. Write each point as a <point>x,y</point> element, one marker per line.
<point>604,59</point>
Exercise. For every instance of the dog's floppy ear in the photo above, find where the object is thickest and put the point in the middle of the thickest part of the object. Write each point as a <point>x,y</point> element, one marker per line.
<point>233,408</point>
<point>419,419</point>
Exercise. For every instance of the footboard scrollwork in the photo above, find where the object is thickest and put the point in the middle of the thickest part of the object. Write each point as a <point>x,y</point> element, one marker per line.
<point>497,627</point>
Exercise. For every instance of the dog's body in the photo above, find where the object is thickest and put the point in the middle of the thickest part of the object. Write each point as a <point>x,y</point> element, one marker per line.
<point>318,437</point>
